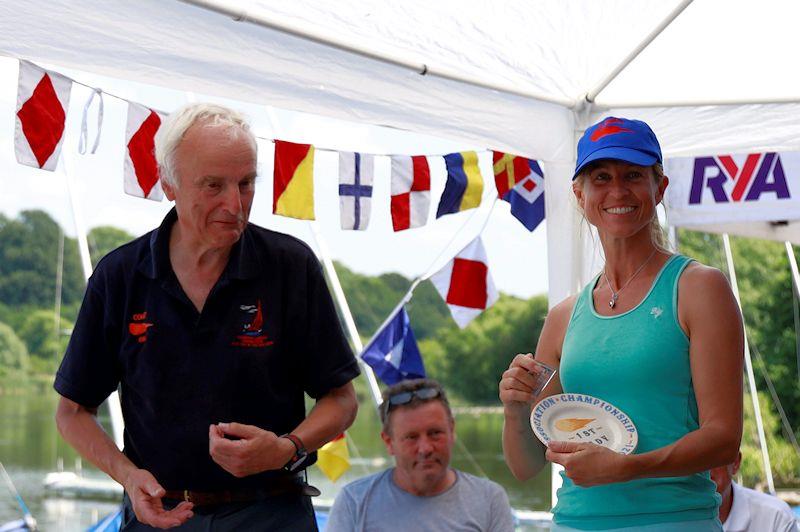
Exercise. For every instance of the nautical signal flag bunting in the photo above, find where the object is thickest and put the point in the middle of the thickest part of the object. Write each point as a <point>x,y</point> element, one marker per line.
<point>42,104</point>
<point>411,191</point>
<point>333,458</point>
<point>465,283</point>
<point>355,189</point>
<point>293,180</point>
<point>464,186</point>
<point>140,168</point>
<point>520,182</point>
<point>393,353</point>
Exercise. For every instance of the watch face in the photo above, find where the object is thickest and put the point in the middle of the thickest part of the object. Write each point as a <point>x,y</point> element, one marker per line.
<point>296,461</point>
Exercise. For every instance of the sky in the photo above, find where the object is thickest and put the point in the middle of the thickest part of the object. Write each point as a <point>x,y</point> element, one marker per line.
<point>517,258</point>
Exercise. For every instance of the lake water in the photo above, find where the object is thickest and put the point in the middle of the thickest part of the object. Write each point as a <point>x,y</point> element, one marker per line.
<point>30,447</point>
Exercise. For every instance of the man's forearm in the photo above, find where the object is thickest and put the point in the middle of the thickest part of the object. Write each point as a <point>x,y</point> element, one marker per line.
<point>79,427</point>
<point>332,415</point>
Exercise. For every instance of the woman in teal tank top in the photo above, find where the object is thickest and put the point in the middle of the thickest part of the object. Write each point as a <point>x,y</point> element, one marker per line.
<point>655,334</point>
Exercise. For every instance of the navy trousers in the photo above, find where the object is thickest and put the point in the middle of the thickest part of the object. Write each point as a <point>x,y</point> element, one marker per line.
<point>284,513</point>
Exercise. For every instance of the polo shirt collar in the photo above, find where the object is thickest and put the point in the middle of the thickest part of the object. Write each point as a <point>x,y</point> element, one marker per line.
<point>739,517</point>
<point>243,262</point>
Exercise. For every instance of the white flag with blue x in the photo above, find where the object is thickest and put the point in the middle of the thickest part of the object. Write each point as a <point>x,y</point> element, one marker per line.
<point>355,189</point>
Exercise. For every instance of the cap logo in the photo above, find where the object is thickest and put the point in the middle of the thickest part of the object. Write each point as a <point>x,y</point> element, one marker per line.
<point>607,127</point>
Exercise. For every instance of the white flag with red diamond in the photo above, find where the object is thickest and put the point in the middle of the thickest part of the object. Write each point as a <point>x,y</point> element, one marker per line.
<point>141,170</point>
<point>466,284</point>
<point>42,103</point>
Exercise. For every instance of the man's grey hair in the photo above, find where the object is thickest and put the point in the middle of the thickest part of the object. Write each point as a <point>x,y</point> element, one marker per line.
<point>174,127</point>
<point>411,385</point>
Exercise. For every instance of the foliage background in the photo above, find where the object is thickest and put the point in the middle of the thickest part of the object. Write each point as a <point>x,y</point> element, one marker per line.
<point>468,362</point>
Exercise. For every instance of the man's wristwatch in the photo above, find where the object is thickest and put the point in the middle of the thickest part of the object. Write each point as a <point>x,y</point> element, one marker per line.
<point>300,453</point>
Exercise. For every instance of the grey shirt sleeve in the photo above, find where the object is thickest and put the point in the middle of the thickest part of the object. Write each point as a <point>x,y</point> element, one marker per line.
<point>501,517</point>
<point>342,517</point>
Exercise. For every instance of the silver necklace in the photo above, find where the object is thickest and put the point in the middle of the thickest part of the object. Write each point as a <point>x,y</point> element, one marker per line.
<point>615,294</point>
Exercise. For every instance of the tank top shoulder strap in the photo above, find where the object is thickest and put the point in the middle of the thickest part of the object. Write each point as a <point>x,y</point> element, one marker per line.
<point>666,285</point>
<point>583,302</point>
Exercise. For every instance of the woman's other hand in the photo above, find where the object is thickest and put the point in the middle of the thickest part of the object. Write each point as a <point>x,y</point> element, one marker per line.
<point>588,464</point>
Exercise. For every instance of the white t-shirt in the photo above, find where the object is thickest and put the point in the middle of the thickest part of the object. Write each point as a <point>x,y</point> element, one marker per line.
<point>753,511</point>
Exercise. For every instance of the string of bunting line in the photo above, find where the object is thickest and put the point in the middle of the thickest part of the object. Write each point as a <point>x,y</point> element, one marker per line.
<point>465,282</point>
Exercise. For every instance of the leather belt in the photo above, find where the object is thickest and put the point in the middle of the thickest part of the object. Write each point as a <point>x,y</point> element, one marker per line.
<point>293,485</point>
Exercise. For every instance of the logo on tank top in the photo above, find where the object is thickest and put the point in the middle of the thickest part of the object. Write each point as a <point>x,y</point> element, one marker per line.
<point>138,326</point>
<point>656,312</point>
<point>252,334</point>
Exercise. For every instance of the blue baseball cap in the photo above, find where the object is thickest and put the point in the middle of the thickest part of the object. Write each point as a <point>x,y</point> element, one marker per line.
<point>622,139</point>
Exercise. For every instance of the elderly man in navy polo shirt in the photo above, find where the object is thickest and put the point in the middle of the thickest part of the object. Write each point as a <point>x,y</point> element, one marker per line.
<point>213,329</point>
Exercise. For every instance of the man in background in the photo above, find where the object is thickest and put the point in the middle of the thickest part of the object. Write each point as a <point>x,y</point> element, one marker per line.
<point>422,492</point>
<point>746,510</point>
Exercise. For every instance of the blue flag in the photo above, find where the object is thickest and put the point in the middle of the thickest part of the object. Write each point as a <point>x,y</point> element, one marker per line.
<point>393,353</point>
<point>464,186</point>
<point>520,182</point>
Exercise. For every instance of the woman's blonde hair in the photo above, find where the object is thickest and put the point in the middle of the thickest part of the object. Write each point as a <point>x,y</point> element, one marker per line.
<point>658,236</point>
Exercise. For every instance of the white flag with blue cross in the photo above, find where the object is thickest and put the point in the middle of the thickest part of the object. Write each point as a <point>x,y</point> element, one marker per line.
<point>355,189</point>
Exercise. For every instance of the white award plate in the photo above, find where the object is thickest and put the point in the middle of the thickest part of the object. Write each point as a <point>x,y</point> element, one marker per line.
<point>583,418</point>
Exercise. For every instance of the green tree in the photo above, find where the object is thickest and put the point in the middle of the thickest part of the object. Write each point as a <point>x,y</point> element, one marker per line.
<point>784,458</point>
<point>765,286</point>
<point>105,238</point>
<point>29,259</point>
<point>469,362</point>
<point>371,299</point>
<point>44,344</point>
<point>13,354</point>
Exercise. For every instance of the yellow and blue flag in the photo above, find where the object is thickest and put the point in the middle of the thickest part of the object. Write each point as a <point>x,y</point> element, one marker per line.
<point>464,186</point>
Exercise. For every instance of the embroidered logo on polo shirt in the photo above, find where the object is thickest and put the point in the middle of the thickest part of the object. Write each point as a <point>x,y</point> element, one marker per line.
<point>138,326</point>
<point>252,334</point>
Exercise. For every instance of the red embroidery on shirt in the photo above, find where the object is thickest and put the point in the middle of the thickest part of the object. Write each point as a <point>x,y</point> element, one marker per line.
<point>252,331</point>
<point>138,327</point>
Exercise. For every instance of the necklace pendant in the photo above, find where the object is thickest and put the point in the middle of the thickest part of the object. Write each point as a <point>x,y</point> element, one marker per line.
<point>613,301</point>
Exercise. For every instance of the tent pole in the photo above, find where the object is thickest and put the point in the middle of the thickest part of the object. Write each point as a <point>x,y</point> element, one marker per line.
<point>80,228</point>
<point>697,103</point>
<point>793,266</point>
<point>592,94</point>
<point>795,286</point>
<point>762,440</point>
<point>344,308</point>
<point>114,407</point>
<point>265,20</point>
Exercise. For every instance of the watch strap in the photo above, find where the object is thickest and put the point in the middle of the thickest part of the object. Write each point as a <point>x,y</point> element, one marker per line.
<point>300,454</point>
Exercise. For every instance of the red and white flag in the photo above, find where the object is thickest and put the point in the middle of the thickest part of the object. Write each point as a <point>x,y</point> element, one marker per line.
<point>42,103</point>
<point>466,284</point>
<point>141,170</point>
<point>411,191</point>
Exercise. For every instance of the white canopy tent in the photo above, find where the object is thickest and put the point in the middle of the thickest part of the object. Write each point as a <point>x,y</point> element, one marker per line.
<point>710,77</point>
<point>716,79</point>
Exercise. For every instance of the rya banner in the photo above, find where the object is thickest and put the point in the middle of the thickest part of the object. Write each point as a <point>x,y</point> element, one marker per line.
<point>733,188</point>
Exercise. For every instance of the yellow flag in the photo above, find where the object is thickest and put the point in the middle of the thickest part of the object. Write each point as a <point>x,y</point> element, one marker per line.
<point>293,180</point>
<point>333,458</point>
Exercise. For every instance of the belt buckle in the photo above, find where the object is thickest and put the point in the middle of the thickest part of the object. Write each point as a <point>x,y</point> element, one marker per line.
<point>186,496</point>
